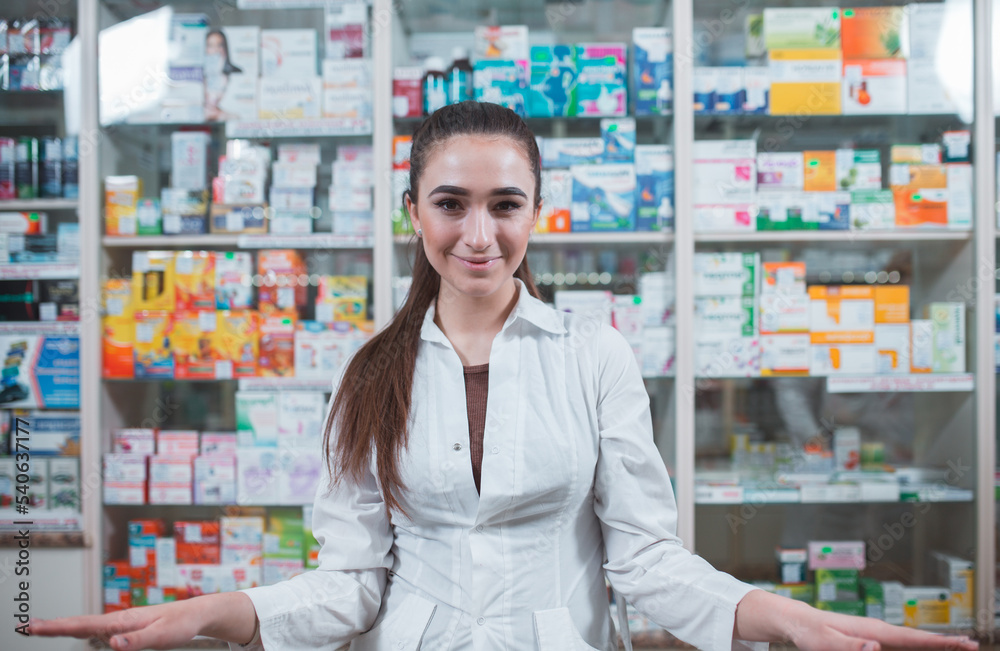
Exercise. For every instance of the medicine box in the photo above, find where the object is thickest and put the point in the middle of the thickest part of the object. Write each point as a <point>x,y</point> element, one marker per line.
<point>284,267</point>
<point>189,159</point>
<point>217,443</point>
<point>652,70</point>
<point>41,372</point>
<point>842,359</point>
<point>926,606</point>
<point>654,173</point>
<point>847,448</point>
<point>257,418</point>
<point>756,90</point>
<point>301,469</point>
<point>948,321</point>
<point>140,441</point>
<point>842,314</point>
<point>658,350</point>
<point>802,28</point>
<point>288,53</point>
<point>858,169</point>
<point>557,197</point>
<point>501,42</point>
<point>779,171</point>
<point>236,343</point>
<point>783,278</point>
<point>892,346</point>
<point>786,354</point>
<point>726,355</point>
<point>836,555</point>
<point>805,81</point>
<point>928,91</point>
<point>565,152</point>
<point>792,565</point>
<point>121,197</point>
<point>873,32</point>
<point>341,74</point>
<point>283,536</point>
<point>729,89</point>
<point>289,98</point>
<point>124,478</point>
<point>552,81</point>
<point>257,470</point>
<point>873,86</point>
<point>732,315</point>
<point>836,585</point>
<point>321,349</point>
<point>959,575</point>
<point>192,336</point>
<point>301,419</point>
<point>501,81</point>
<point>153,280</point>
<point>873,210</point>
<point>177,443</point>
<point>276,357</point>
<point>233,272</point>
<point>603,197</point>
<point>347,104</point>
<point>601,79</point>
<point>726,274</point>
<point>921,346</point>
<point>242,540</point>
<point>784,313</point>
<point>618,135</point>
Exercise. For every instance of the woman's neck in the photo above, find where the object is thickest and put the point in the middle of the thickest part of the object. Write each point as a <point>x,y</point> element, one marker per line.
<point>471,322</point>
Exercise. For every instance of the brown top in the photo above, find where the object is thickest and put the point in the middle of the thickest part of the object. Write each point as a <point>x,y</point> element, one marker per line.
<point>477,382</point>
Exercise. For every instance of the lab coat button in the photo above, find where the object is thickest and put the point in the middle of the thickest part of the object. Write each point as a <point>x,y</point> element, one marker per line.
<point>400,644</point>
<point>481,621</point>
<point>496,449</point>
<point>457,447</point>
<point>479,528</point>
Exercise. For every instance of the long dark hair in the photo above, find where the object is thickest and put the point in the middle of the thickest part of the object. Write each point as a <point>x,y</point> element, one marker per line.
<point>228,68</point>
<point>372,405</point>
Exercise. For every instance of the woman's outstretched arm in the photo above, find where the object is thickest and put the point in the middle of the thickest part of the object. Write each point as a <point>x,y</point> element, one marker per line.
<point>768,617</point>
<point>227,616</point>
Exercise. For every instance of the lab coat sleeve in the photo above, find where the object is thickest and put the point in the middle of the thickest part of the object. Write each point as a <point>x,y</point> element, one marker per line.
<point>634,501</point>
<point>327,607</point>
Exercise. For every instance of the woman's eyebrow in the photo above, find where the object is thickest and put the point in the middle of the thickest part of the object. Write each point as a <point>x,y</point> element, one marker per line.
<point>462,192</point>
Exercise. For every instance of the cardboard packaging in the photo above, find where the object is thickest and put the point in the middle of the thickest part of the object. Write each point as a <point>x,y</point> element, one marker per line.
<point>873,32</point>
<point>192,337</point>
<point>171,479</point>
<point>321,349</point>
<point>257,470</point>
<point>783,313</point>
<point>836,585</point>
<point>726,355</point>
<point>858,169</point>
<point>805,81</point>
<point>121,198</point>
<point>874,86</point>
<point>242,540</point>
<point>810,28</point>
<point>552,81</point>
<point>557,197</point>
<point>197,542</point>
<point>288,53</point>
<point>501,42</point>
<point>117,347</point>
<point>124,479</point>
<point>948,323</point>
<point>892,304</point>
<point>892,345</point>
<point>959,575</point>
<point>836,555</point>
<point>566,152</point>
<point>194,280</point>
<point>407,92</point>
<point>654,173</point>
<point>842,359</point>
<point>784,355</point>
<point>289,98</point>
<point>233,271</point>
<point>725,184</point>
<point>301,419</point>
<point>189,159</point>
<point>277,346</point>
<point>281,289</point>
<point>601,82</point>
<point>501,81</point>
<point>842,315</point>
<point>153,354</point>
<point>847,450</point>
<point>733,315</point>
<point>927,90</point>
<point>873,210</point>
<point>342,298</point>
<point>300,473</point>
<point>921,346</point>
<point>153,280</point>
<point>141,441</point>
<point>652,70</point>
<point>603,197</point>
<point>726,274</point>
<point>257,418</point>
<point>779,171</point>
<point>236,343</point>
<point>217,444</point>
<point>177,443</point>
<point>926,606</point>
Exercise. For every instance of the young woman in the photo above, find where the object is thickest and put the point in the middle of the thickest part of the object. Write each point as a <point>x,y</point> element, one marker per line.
<point>493,460</point>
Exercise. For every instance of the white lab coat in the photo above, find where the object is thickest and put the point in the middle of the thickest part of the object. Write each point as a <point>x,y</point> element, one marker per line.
<point>570,476</point>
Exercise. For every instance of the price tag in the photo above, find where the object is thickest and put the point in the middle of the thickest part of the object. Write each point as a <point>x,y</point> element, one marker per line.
<point>286,297</point>
<point>224,369</point>
<point>140,262</point>
<point>144,333</point>
<point>192,532</point>
<point>47,311</point>
<point>137,556</point>
<point>115,306</point>
<point>185,264</point>
<point>899,174</point>
<point>126,225</point>
<point>206,321</point>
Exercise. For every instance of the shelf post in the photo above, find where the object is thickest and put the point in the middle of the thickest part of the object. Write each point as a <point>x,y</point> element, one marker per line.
<point>383,15</point>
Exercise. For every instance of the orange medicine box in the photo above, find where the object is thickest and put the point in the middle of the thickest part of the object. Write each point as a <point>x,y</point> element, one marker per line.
<point>892,304</point>
<point>237,343</point>
<point>197,542</point>
<point>841,314</point>
<point>920,193</point>
<point>153,357</point>
<point>277,345</point>
<point>872,32</point>
<point>153,280</point>
<point>116,297</point>
<point>281,289</point>
<point>820,171</point>
<point>194,280</point>
<point>117,343</point>
<point>192,339</point>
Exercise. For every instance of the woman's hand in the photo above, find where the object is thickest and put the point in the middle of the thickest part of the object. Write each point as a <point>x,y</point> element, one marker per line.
<point>821,630</point>
<point>227,616</point>
<point>762,616</point>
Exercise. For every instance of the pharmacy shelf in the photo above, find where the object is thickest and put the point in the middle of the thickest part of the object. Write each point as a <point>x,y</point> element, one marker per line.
<point>197,643</point>
<point>305,241</point>
<point>736,495</point>
<point>262,241</point>
<point>168,241</point>
<point>312,128</point>
<point>283,384</point>
<point>835,236</point>
<point>30,205</point>
<point>569,239</point>
<point>767,119</point>
<point>40,328</point>
<point>39,270</point>
<point>915,383</point>
<point>46,539</point>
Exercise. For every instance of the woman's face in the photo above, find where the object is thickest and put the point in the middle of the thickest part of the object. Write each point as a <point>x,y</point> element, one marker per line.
<point>475,210</point>
<point>214,45</point>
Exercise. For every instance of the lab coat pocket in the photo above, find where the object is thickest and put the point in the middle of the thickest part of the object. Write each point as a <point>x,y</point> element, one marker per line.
<point>555,631</point>
<point>401,630</point>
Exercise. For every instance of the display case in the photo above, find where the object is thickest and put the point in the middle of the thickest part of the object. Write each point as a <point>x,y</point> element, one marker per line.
<point>236,267</point>
<point>802,283</point>
<point>40,274</point>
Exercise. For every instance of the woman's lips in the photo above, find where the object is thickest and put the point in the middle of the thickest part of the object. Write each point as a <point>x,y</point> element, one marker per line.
<point>477,264</point>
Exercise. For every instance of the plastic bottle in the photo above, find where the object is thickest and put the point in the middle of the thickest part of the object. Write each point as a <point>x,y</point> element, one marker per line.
<point>435,85</point>
<point>460,76</point>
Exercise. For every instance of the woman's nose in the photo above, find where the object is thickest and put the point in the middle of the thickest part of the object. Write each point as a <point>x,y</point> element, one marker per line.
<point>479,228</point>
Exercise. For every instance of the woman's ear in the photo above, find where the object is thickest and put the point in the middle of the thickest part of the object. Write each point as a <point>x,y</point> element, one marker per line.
<point>411,210</point>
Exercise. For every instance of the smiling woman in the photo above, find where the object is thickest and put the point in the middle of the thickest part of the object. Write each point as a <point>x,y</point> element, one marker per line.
<point>490,524</point>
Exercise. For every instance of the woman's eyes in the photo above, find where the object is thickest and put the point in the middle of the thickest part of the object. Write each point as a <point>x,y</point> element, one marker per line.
<point>451,205</point>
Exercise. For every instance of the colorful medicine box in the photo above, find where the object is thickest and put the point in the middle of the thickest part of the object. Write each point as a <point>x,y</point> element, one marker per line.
<point>552,86</point>
<point>603,197</point>
<point>153,285</point>
<point>652,70</point>
<point>601,79</point>
<point>237,340</point>
<point>193,339</point>
<point>277,346</point>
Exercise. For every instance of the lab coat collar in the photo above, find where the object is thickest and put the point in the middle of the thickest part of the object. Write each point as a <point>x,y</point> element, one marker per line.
<point>527,307</point>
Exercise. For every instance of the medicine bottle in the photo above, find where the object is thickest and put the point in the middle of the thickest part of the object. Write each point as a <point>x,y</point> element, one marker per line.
<point>460,76</point>
<point>435,85</point>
